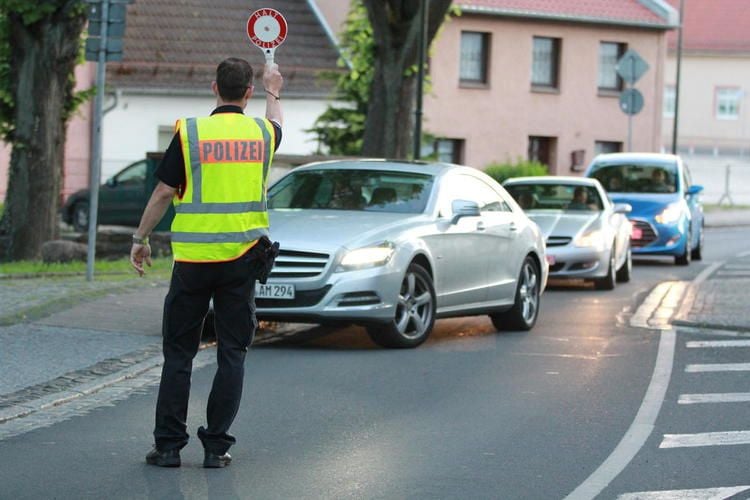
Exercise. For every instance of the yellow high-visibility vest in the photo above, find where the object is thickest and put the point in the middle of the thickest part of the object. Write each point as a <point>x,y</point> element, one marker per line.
<point>221,211</point>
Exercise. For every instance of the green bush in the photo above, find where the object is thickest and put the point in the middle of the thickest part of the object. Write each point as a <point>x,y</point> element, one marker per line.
<point>523,168</point>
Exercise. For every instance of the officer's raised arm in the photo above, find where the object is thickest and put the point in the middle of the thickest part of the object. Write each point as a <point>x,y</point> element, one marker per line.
<point>272,83</point>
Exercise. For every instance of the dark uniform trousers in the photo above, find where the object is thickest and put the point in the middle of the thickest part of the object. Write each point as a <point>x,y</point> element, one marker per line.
<point>232,286</point>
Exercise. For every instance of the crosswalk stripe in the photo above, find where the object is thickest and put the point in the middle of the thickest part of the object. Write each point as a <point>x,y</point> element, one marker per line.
<point>727,397</point>
<point>705,439</point>
<point>702,344</point>
<point>718,367</point>
<point>699,494</point>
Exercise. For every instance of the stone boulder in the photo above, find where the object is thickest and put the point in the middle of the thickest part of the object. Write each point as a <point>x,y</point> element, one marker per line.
<point>63,251</point>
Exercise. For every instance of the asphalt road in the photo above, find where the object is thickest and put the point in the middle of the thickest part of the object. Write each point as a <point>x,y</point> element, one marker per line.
<point>470,414</point>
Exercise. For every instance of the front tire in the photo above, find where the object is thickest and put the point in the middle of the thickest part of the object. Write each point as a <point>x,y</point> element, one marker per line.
<point>525,310</point>
<point>624,273</point>
<point>684,258</point>
<point>81,216</point>
<point>608,282</point>
<point>415,312</point>
<point>697,253</point>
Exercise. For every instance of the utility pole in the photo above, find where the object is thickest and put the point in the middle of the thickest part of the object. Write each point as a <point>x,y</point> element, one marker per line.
<point>420,82</point>
<point>675,124</point>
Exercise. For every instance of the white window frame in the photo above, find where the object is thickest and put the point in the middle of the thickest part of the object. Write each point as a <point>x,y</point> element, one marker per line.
<point>607,67</point>
<point>474,66</point>
<point>731,99</point>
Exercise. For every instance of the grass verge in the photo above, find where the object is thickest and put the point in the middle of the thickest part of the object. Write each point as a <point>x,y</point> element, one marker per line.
<point>111,268</point>
<point>723,208</point>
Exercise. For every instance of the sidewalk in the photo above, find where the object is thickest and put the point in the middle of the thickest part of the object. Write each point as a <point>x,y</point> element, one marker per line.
<point>720,302</point>
<point>727,218</point>
<point>69,333</point>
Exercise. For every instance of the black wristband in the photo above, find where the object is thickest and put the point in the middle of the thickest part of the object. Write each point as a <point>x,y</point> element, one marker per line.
<point>273,95</point>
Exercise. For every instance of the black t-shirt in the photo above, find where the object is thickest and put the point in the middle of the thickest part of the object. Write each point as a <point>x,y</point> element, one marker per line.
<point>171,170</point>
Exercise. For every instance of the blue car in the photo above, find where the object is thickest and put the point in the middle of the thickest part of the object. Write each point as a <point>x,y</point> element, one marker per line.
<point>667,215</point>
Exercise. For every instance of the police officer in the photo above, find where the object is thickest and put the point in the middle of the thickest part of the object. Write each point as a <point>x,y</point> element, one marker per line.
<point>215,173</point>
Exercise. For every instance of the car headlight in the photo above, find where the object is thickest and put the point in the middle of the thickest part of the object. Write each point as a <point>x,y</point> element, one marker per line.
<point>362,258</point>
<point>670,214</point>
<point>591,239</point>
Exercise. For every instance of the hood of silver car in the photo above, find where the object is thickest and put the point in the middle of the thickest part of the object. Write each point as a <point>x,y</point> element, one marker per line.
<point>562,223</point>
<point>328,230</point>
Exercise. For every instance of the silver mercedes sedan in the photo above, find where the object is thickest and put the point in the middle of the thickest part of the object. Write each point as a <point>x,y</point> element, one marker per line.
<point>395,245</point>
<point>587,236</point>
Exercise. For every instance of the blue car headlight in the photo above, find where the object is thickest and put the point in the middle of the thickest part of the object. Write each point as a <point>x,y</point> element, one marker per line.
<point>670,214</point>
<point>371,256</point>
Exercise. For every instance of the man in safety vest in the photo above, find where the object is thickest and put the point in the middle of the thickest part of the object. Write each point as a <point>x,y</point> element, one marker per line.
<point>215,172</point>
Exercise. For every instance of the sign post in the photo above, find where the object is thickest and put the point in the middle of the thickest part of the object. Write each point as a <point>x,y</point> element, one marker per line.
<point>631,68</point>
<point>106,28</point>
<point>267,29</point>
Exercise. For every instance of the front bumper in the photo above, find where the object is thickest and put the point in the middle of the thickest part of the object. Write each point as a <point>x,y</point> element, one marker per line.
<point>368,295</point>
<point>577,263</point>
<point>651,238</point>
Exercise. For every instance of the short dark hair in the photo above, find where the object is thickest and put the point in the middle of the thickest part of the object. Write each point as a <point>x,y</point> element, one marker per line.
<point>233,77</point>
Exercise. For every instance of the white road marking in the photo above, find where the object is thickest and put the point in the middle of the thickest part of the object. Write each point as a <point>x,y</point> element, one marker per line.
<point>639,430</point>
<point>726,397</point>
<point>718,367</point>
<point>734,273</point>
<point>700,494</point>
<point>726,438</point>
<point>704,344</point>
<point>712,332</point>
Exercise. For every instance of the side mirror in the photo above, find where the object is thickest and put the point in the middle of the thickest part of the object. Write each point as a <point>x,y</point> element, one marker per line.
<point>694,189</point>
<point>111,182</point>
<point>622,208</point>
<point>464,208</point>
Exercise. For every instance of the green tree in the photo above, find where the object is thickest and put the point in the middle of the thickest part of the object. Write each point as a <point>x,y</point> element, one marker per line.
<point>397,28</point>
<point>380,43</point>
<point>39,48</point>
<point>341,126</point>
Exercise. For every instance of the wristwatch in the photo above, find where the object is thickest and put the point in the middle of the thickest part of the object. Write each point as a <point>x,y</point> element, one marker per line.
<point>140,241</point>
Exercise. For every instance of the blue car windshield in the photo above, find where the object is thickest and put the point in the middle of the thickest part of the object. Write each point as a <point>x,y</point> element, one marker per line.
<point>640,178</point>
<point>350,189</point>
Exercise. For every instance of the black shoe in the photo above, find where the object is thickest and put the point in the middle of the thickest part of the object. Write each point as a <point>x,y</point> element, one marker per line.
<point>168,458</point>
<point>214,461</point>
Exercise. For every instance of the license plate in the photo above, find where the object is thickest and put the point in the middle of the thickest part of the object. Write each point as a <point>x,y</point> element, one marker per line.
<point>636,233</point>
<point>274,291</point>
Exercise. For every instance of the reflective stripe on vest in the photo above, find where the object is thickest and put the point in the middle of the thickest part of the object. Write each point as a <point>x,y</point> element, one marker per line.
<point>222,210</point>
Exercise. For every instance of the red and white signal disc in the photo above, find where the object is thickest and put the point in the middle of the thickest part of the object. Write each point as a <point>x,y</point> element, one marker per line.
<point>266,28</point>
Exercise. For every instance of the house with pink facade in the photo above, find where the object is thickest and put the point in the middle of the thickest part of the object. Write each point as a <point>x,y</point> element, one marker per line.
<point>536,79</point>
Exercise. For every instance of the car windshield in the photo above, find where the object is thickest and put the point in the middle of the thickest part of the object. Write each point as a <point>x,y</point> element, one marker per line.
<point>641,178</point>
<point>350,189</point>
<point>544,196</point>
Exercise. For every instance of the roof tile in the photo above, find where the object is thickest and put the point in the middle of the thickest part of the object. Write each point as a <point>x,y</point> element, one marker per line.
<point>177,44</point>
<point>715,26</point>
<point>618,11</point>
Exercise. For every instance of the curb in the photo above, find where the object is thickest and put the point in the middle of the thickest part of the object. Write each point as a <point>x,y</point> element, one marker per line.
<point>712,326</point>
<point>30,407</point>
